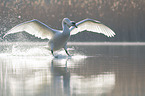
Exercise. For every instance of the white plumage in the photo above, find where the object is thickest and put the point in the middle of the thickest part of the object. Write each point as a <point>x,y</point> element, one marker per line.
<point>58,39</point>
<point>33,27</point>
<point>92,26</point>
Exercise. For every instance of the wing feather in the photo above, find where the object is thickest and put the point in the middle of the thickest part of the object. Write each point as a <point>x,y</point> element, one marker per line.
<point>92,26</point>
<point>33,27</point>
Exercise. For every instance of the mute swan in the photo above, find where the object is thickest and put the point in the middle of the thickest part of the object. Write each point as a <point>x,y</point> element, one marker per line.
<point>58,39</point>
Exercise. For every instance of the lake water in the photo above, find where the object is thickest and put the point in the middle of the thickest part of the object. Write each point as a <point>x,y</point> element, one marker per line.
<point>95,69</point>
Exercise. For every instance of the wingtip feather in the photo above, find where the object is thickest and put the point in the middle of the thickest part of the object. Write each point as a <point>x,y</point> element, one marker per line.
<point>5,35</point>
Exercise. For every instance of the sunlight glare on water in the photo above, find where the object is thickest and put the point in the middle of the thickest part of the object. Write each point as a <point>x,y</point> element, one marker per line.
<point>93,70</point>
<point>103,83</point>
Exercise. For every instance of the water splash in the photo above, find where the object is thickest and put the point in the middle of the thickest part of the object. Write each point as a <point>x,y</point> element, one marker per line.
<point>18,50</point>
<point>33,50</point>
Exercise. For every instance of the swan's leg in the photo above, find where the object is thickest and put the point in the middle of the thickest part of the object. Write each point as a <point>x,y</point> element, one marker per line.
<point>65,48</point>
<point>52,46</point>
<point>67,52</point>
<point>52,52</point>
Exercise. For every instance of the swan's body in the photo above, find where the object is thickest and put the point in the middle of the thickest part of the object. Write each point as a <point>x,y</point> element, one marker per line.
<point>58,39</point>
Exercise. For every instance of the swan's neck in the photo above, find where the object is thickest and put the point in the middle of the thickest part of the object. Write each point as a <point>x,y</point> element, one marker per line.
<point>65,28</point>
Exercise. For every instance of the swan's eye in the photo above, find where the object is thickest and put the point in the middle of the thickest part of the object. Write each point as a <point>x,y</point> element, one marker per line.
<point>73,23</point>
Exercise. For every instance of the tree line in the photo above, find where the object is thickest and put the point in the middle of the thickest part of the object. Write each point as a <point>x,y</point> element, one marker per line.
<point>125,17</point>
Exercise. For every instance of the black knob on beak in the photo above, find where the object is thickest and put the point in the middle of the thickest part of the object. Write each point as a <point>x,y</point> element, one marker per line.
<point>74,24</point>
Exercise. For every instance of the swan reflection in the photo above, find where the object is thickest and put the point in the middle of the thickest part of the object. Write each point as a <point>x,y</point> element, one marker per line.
<point>33,76</point>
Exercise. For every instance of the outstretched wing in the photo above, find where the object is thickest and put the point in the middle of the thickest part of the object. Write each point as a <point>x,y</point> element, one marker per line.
<point>33,27</point>
<point>93,26</point>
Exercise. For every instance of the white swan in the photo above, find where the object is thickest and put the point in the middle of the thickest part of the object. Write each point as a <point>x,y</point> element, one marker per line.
<point>58,39</point>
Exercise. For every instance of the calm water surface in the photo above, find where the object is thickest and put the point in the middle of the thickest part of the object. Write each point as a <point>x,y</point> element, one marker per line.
<point>93,70</point>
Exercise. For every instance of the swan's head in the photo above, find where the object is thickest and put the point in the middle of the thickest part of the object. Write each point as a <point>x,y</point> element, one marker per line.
<point>68,22</point>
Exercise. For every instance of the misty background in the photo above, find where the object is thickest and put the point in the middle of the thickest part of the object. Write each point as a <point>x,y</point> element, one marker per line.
<point>125,17</point>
